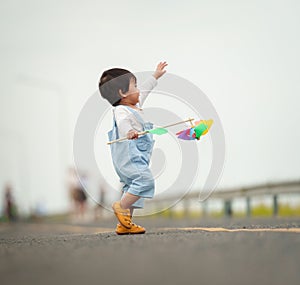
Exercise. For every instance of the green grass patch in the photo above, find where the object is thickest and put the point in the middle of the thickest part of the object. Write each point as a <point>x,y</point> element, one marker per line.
<point>286,210</point>
<point>261,211</point>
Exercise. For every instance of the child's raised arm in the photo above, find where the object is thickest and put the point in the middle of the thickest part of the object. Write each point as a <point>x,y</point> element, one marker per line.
<point>149,84</point>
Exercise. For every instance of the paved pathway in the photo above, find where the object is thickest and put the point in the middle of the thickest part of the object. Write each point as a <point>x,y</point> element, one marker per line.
<point>240,252</point>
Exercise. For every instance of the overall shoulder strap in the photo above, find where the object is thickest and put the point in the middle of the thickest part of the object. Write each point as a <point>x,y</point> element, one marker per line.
<point>114,118</point>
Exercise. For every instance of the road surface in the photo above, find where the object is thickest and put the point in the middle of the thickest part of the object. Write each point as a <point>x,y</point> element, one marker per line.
<point>171,252</point>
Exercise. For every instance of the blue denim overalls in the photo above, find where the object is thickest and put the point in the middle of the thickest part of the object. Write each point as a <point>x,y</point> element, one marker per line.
<point>131,161</point>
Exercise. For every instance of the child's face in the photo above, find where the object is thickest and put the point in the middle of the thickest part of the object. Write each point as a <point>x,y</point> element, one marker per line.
<point>133,93</point>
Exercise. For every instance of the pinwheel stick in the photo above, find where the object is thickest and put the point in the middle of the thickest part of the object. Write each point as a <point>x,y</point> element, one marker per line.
<point>149,131</point>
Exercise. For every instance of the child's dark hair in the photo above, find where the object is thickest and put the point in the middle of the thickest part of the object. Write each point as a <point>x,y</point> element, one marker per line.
<point>112,81</point>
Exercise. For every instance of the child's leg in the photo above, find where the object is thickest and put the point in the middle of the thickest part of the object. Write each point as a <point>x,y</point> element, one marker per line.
<point>127,200</point>
<point>142,183</point>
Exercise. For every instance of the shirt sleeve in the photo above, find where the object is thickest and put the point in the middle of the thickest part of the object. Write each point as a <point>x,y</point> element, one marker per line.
<point>145,88</point>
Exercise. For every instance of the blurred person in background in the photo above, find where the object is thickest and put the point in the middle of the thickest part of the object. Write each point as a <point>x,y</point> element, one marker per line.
<point>10,209</point>
<point>100,207</point>
<point>77,193</point>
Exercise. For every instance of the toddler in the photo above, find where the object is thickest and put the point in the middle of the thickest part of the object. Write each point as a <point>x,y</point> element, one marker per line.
<point>131,157</point>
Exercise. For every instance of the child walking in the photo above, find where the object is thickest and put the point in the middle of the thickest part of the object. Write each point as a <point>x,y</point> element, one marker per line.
<point>131,157</point>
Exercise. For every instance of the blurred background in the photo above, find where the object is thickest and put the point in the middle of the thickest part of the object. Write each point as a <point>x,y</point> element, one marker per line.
<point>244,55</point>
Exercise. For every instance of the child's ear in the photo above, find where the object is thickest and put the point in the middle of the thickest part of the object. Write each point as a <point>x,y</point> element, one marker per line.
<point>122,94</point>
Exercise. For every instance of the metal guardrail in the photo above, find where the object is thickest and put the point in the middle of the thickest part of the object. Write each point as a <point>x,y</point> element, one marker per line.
<point>248,193</point>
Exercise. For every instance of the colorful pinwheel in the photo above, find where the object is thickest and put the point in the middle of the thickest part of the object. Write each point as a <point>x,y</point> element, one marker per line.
<point>200,128</point>
<point>197,130</point>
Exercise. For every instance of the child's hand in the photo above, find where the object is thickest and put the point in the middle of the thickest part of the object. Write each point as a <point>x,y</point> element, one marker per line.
<point>159,72</point>
<point>132,135</point>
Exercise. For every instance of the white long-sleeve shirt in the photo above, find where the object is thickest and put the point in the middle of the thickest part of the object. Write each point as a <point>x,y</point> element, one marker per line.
<point>125,120</point>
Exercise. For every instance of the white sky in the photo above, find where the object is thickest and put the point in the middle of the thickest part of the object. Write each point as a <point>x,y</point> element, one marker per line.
<point>244,55</point>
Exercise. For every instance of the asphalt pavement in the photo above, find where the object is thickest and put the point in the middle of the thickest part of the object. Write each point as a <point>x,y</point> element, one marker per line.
<point>188,251</point>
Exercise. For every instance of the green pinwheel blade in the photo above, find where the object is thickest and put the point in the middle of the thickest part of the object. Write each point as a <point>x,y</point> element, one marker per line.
<point>158,131</point>
<point>199,129</point>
